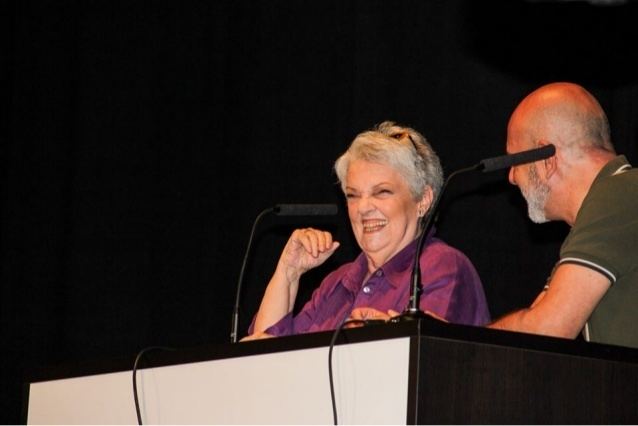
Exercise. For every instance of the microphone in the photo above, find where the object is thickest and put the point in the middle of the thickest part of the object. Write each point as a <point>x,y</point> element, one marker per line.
<point>279,210</point>
<point>305,209</point>
<point>524,157</point>
<point>413,310</point>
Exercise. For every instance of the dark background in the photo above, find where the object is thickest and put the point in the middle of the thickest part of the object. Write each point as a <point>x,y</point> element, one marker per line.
<point>140,139</point>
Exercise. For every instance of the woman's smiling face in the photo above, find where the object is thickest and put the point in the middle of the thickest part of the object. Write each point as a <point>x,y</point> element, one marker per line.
<point>382,210</point>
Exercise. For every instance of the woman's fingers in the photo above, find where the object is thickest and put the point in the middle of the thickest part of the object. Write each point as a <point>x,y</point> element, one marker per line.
<point>366,313</point>
<point>306,249</point>
<point>315,241</point>
<point>392,313</point>
<point>256,336</point>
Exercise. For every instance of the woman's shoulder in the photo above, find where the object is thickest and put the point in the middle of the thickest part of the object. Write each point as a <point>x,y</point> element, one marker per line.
<point>438,250</point>
<point>437,246</point>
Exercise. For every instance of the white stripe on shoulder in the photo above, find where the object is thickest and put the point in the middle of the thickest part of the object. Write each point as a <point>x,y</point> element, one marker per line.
<point>622,169</point>
<point>586,332</point>
<point>590,264</point>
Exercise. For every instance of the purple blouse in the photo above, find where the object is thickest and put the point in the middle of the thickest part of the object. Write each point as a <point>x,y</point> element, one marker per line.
<point>451,289</point>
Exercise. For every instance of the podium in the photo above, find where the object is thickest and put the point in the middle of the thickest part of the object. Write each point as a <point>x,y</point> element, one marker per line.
<point>418,372</point>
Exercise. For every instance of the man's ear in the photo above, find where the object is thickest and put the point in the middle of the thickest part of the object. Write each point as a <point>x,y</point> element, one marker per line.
<point>550,165</point>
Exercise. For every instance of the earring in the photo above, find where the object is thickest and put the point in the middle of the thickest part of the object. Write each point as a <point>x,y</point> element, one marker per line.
<point>420,212</point>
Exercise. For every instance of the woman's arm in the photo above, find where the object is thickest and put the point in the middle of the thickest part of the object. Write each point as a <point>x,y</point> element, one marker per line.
<point>305,249</point>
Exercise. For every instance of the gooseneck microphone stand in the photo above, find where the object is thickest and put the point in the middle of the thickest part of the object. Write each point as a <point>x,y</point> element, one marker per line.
<point>235,321</point>
<point>413,311</point>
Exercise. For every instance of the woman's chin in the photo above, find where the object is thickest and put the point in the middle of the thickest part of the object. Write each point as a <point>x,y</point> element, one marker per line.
<point>376,248</point>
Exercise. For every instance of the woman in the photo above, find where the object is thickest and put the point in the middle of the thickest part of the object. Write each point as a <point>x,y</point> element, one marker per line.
<point>390,176</point>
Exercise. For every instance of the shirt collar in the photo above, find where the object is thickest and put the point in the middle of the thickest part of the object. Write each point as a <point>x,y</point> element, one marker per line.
<point>613,167</point>
<point>394,269</point>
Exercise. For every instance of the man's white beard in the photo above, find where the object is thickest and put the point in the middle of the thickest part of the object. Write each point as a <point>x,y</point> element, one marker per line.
<point>536,194</point>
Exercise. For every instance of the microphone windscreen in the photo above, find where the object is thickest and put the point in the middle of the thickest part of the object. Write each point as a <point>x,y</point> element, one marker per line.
<point>524,157</point>
<point>306,209</point>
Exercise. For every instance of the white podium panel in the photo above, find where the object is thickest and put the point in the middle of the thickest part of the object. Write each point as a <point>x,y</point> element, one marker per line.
<point>289,387</point>
<point>415,372</point>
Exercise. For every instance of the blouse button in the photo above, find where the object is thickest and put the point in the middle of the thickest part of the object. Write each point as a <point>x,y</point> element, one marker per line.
<point>366,290</point>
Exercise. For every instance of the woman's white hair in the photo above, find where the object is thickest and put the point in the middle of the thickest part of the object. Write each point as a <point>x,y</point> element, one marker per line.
<point>402,148</point>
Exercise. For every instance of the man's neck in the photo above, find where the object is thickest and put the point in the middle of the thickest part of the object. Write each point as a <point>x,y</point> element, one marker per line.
<point>578,182</point>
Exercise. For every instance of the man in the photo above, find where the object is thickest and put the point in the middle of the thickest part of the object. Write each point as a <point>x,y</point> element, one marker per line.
<point>594,286</point>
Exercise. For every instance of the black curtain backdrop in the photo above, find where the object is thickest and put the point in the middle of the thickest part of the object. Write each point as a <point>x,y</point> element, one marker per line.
<point>141,139</point>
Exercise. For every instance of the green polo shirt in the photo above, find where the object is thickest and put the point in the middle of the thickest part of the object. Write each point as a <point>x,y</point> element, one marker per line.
<point>605,239</point>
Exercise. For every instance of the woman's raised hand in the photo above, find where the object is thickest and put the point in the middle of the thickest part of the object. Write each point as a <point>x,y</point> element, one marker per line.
<point>306,249</point>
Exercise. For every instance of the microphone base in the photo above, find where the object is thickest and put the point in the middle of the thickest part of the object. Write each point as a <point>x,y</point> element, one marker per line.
<point>410,315</point>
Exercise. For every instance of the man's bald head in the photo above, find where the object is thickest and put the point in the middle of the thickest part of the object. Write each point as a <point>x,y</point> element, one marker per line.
<point>564,114</point>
